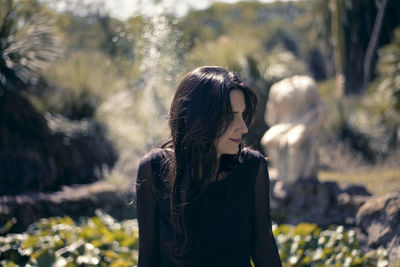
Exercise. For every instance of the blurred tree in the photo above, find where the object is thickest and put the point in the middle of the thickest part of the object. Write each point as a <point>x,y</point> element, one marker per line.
<point>356,20</point>
<point>97,32</point>
<point>389,71</point>
<point>252,19</point>
<point>308,34</point>
<point>336,7</point>
<point>27,44</point>
<point>373,41</point>
<point>36,155</point>
<point>378,115</point>
<point>80,83</point>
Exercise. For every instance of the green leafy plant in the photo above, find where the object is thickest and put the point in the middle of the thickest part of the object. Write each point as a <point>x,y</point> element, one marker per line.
<point>103,241</point>
<point>309,245</point>
<point>95,241</point>
<point>28,44</point>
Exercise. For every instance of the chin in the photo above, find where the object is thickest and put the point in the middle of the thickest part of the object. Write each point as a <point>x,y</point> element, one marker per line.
<point>233,152</point>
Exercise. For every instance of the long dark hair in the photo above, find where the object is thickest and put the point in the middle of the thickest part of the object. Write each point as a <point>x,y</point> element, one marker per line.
<point>200,113</point>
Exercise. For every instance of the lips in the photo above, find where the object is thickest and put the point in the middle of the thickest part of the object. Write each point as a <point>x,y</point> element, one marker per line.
<point>237,141</point>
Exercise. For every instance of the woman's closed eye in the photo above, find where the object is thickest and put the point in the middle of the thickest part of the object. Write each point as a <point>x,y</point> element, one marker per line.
<point>244,114</point>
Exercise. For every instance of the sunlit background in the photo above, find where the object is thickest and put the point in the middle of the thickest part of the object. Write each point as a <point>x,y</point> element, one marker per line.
<point>85,88</point>
<point>123,9</point>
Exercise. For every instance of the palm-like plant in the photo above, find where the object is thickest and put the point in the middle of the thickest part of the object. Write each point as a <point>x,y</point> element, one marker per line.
<point>27,44</point>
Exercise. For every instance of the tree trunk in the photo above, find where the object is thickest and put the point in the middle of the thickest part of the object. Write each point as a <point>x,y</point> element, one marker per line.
<point>373,42</point>
<point>338,45</point>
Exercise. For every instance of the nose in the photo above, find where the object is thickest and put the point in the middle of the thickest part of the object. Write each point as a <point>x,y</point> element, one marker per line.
<point>243,127</point>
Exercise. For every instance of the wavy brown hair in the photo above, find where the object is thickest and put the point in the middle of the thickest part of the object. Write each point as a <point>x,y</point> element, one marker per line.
<point>200,113</point>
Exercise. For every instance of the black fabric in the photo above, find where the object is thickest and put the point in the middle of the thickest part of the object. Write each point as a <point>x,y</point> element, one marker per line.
<point>230,220</point>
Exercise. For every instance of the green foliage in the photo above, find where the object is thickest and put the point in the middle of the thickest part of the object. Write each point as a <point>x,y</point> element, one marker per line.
<point>378,115</point>
<point>95,241</point>
<point>348,144</point>
<point>389,73</point>
<point>103,241</point>
<point>247,18</point>
<point>333,122</point>
<point>226,51</point>
<point>98,33</point>
<point>83,81</point>
<point>27,43</point>
<point>7,226</point>
<point>280,64</point>
<point>309,245</point>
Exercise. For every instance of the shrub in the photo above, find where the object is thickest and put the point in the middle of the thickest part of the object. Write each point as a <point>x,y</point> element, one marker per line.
<point>82,81</point>
<point>102,241</point>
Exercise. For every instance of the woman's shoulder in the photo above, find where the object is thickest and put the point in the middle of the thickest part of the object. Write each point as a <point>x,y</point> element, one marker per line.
<point>154,155</point>
<point>156,161</point>
<point>257,162</point>
<point>152,166</point>
<point>249,154</point>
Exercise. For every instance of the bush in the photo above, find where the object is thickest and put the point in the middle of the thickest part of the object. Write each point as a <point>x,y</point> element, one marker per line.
<point>83,81</point>
<point>309,245</point>
<point>102,241</point>
<point>95,241</point>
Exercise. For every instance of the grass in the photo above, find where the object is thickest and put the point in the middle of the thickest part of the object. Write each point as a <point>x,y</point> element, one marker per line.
<point>378,180</point>
<point>346,167</point>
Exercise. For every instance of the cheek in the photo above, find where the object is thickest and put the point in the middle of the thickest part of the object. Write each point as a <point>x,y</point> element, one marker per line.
<point>228,131</point>
<point>223,141</point>
<point>220,143</point>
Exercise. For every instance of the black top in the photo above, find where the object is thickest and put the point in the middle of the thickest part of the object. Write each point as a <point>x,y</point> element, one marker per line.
<point>231,221</point>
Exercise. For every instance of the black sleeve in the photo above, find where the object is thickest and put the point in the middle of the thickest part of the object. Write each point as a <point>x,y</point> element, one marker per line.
<point>264,252</point>
<point>147,215</point>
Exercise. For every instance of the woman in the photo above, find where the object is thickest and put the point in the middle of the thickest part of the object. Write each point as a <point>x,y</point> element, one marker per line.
<point>202,200</point>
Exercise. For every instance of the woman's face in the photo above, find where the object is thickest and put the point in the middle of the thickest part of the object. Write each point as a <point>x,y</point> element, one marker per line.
<point>229,142</point>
